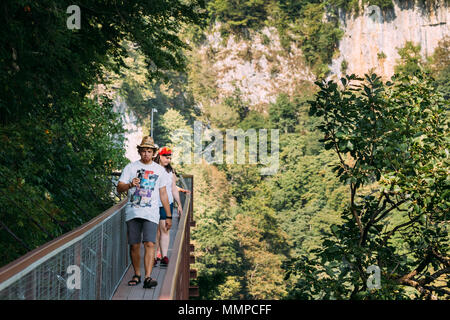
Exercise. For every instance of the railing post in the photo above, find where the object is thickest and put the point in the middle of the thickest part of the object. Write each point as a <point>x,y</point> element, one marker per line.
<point>98,273</point>
<point>187,265</point>
<point>192,290</point>
<point>191,204</point>
<point>77,253</point>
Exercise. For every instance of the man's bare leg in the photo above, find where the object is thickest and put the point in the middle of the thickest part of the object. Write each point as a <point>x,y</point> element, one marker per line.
<point>157,245</point>
<point>149,257</point>
<point>164,239</point>
<point>136,258</point>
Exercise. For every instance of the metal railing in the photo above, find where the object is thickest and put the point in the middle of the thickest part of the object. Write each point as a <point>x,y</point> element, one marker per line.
<point>176,281</point>
<point>98,248</point>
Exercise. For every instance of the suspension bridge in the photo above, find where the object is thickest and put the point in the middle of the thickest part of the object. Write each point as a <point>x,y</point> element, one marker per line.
<point>98,253</point>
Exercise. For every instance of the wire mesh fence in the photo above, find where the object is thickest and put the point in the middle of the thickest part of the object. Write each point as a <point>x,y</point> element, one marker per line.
<point>30,217</point>
<point>88,267</point>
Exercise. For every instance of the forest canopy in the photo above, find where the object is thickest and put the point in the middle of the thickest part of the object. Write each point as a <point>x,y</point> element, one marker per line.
<point>60,138</point>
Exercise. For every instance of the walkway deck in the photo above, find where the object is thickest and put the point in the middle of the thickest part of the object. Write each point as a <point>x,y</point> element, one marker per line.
<point>126,292</point>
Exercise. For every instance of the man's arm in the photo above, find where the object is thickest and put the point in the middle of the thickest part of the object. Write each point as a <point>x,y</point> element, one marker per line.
<point>183,190</point>
<point>123,187</point>
<point>165,202</point>
<point>176,195</point>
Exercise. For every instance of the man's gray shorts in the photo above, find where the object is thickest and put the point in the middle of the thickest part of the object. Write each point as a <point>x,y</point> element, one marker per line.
<point>141,230</point>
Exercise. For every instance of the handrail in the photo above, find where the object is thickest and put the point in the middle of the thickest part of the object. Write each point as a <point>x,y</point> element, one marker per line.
<point>21,264</point>
<point>176,281</point>
<point>34,268</point>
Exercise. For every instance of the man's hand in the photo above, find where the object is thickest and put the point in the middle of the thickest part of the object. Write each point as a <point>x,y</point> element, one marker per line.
<point>184,190</point>
<point>135,182</point>
<point>124,187</point>
<point>168,224</point>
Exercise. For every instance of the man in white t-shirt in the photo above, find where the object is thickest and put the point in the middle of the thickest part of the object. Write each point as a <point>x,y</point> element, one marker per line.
<point>146,183</point>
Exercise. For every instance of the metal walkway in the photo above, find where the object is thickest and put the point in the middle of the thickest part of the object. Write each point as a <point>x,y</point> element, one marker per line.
<point>92,262</point>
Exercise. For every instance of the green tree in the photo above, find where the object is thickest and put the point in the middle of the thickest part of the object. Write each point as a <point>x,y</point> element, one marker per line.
<point>318,39</point>
<point>392,144</point>
<point>306,195</point>
<point>45,61</point>
<point>263,247</point>
<point>410,60</point>
<point>283,114</point>
<point>239,14</point>
<point>216,253</point>
<point>56,175</point>
<point>235,101</point>
<point>253,120</point>
<point>440,67</point>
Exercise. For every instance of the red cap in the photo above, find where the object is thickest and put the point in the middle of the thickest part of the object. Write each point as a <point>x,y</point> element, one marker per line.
<point>165,151</point>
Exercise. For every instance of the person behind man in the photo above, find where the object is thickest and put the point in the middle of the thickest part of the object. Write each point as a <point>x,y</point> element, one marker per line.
<point>146,183</point>
<point>164,158</point>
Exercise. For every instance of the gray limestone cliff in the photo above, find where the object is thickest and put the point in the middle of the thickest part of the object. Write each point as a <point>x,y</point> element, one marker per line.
<point>261,68</point>
<point>371,39</point>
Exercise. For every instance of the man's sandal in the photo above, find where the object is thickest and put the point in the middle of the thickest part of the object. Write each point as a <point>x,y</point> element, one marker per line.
<point>134,282</point>
<point>149,283</point>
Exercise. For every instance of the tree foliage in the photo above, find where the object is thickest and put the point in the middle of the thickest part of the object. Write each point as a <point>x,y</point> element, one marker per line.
<point>440,67</point>
<point>282,114</point>
<point>392,144</point>
<point>318,38</point>
<point>60,138</point>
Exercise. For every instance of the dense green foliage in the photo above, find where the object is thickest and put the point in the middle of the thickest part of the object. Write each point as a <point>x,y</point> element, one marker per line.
<point>440,67</point>
<point>397,137</point>
<point>248,225</point>
<point>437,65</point>
<point>282,114</point>
<point>55,170</point>
<point>239,14</point>
<point>318,39</point>
<point>410,59</point>
<point>354,5</point>
<point>60,138</point>
<point>311,192</point>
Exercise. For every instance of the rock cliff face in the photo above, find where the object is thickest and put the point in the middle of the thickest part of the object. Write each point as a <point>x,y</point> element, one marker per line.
<point>260,68</point>
<point>134,132</point>
<point>371,39</point>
